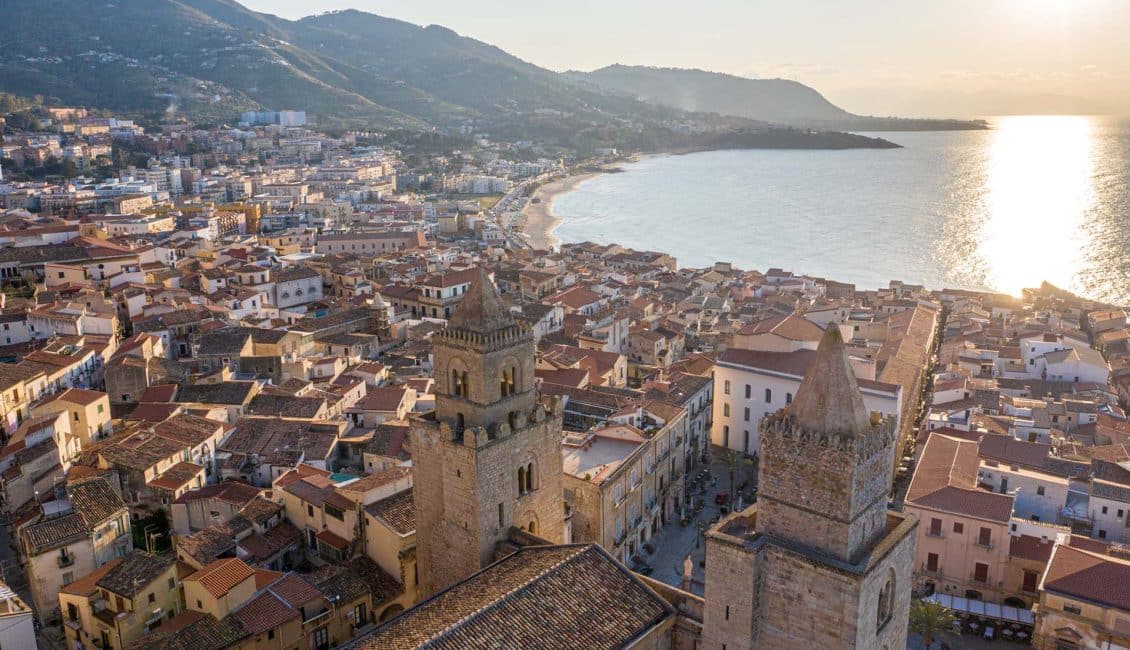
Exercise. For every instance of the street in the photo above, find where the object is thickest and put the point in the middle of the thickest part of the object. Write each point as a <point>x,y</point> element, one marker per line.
<point>673,543</point>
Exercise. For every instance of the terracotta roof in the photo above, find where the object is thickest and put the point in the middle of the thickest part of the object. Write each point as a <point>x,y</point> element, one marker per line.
<point>790,327</point>
<point>548,597</point>
<point>946,479</point>
<point>220,576</point>
<point>399,510</point>
<point>94,499</point>
<point>135,572</point>
<point>1091,576</point>
<point>264,612</point>
<point>1030,547</point>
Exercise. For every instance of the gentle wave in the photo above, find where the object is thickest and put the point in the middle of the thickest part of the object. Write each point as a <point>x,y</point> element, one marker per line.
<point>1033,199</point>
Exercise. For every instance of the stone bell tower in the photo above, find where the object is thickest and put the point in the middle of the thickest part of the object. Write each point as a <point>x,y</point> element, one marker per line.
<point>489,457</point>
<point>818,561</point>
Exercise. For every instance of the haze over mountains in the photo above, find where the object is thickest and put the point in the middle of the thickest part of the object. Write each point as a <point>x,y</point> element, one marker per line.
<point>214,58</point>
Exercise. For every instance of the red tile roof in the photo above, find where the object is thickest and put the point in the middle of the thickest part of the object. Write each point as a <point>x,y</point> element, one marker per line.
<point>1084,574</point>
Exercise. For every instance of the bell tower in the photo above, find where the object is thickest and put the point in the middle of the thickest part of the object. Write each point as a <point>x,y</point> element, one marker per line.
<point>488,458</point>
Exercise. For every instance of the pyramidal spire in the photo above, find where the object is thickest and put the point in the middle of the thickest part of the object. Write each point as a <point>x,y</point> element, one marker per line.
<point>481,309</point>
<point>828,400</point>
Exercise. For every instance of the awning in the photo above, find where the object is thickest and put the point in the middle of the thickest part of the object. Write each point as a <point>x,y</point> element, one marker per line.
<point>982,608</point>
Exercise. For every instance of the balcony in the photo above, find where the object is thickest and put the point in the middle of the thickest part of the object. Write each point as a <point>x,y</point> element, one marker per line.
<point>936,571</point>
<point>987,545</point>
<point>936,534</point>
<point>978,581</point>
<point>65,561</point>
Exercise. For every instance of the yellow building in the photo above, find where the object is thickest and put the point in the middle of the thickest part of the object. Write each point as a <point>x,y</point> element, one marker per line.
<point>121,601</point>
<point>87,410</point>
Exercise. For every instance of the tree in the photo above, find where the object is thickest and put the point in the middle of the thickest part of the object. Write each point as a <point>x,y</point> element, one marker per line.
<point>930,620</point>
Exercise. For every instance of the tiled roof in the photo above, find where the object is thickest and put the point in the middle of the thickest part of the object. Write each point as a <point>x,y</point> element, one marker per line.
<point>227,392</point>
<point>398,510</point>
<point>54,533</point>
<point>264,612</point>
<point>220,576</point>
<point>94,500</point>
<point>1098,578</point>
<point>946,479</point>
<point>191,630</point>
<point>285,406</point>
<point>572,596</point>
<point>136,571</point>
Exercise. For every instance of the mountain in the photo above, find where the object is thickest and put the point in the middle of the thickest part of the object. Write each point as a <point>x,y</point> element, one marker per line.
<point>212,59</point>
<point>772,100</point>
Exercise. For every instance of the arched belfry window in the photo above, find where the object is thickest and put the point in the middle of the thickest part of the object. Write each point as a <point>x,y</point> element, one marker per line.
<point>529,477</point>
<point>466,388</point>
<point>456,383</point>
<point>522,480</point>
<point>507,382</point>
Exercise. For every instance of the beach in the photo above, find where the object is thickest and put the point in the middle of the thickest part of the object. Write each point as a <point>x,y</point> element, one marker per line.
<point>538,220</point>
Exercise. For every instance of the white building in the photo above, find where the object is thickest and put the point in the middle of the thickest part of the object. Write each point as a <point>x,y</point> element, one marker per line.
<point>17,629</point>
<point>750,384</point>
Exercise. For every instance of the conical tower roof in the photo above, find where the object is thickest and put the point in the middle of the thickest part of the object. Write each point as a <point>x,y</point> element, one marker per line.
<point>481,309</point>
<point>828,400</point>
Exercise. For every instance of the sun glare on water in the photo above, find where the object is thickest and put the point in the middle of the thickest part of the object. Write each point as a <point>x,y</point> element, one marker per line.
<point>1040,188</point>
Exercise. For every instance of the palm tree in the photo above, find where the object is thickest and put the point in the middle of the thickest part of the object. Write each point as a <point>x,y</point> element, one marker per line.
<point>732,459</point>
<point>930,619</point>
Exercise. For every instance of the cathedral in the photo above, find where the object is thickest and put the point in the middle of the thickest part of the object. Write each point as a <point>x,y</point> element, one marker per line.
<point>819,561</point>
<point>488,459</point>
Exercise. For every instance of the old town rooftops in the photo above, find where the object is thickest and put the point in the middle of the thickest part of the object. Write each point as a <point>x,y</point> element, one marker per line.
<point>572,596</point>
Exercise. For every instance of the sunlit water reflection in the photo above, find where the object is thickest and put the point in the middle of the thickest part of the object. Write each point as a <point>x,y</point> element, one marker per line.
<point>1036,198</point>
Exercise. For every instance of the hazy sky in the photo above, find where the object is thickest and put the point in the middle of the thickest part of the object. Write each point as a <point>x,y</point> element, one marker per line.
<point>954,57</point>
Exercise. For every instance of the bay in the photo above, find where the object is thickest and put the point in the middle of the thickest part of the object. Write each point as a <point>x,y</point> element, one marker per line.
<point>1035,198</point>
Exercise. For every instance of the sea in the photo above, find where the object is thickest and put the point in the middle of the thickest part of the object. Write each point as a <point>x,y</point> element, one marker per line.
<point>1032,199</point>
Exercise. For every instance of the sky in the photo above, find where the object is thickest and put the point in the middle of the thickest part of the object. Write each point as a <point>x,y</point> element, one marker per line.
<point>883,57</point>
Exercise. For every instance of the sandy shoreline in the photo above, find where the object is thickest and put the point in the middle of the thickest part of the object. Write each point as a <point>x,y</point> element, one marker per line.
<point>538,220</point>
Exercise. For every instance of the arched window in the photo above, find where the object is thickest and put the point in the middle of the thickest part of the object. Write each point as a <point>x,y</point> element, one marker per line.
<point>466,387</point>
<point>529,477</point>
<point>886,602</point>
<point>503,384</point>
<point>522,480</point>
<point>533,528</point>
<point>513,380</point>
<point>459,423</point>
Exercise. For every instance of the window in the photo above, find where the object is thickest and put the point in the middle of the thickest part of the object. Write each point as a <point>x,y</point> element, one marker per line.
<point>726,387</point>
<point>521,480</point>
<point>748,391</point>
<point>199,605</point>
<point>727,612</point>
<point>932,562</point>
<point>985,536</point>
<point>958,527</point>
<point>501,516</point>
<point>1104,510</point>
<point>270,634</point>
<point>68,578</point>
<point>886,602</point>
<point>309,510</point>
<point>1072,609</point>
<point>725,436</point>
<point>935,527</point>
<point>746,447</point>
<point>1031,580</point>
<point>1040,490</point>
<point>788,398</point>
<point>747,414</point>
<point>1102,534</point>
<point>1120,513</point>
<point>768,395</point>
<point>980,572</point>
<point>152,598</point>
<point>726,409</point>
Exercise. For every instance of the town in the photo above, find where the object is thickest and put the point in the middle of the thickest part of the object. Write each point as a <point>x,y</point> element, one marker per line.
<point>266,386</point>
